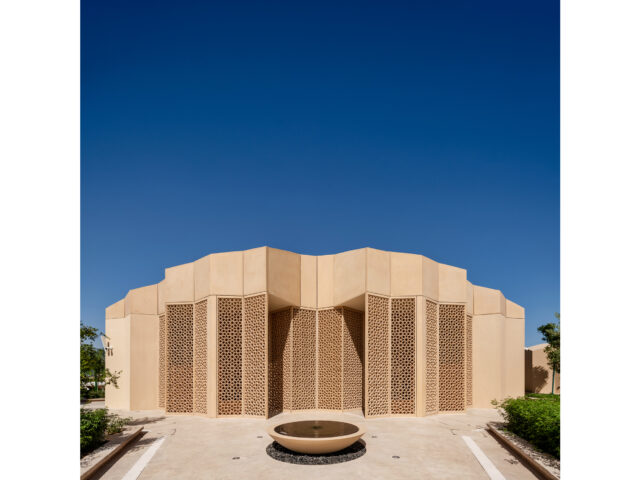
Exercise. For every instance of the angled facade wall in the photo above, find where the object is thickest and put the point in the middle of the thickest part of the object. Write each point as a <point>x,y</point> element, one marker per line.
<point>538,375</point>
<point>262,331</point>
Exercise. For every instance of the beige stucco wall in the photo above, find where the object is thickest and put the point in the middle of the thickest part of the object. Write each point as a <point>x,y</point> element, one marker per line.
<point>119,332</point>
<point>308,281</point>
<point>325,281</point>
<point>144,362</point>
<point>283,277</point>
<point>255,270</point>
<point>349,276</point>
<point>512,362</point>
<point>378,278</point>
<point>291,279</point>
<point>452,284</point>
<point>116,310</point>
<point>141,300</point>
<point>537,373</point>
<point>498,340</point>
<point>134,340</point>
<point>487,359</point>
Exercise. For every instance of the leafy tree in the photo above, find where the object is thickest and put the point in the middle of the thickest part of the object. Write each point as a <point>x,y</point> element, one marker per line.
<point>551,334</point>
<point>92,366</point>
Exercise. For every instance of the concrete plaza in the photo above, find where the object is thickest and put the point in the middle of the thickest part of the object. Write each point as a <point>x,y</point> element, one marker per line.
<point>234,448</point>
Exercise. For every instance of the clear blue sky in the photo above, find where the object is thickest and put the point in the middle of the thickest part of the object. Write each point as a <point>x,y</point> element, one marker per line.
<point>319,127</point>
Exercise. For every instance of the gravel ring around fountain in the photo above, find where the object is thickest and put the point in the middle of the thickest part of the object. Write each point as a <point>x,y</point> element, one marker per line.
<point>278,452</point>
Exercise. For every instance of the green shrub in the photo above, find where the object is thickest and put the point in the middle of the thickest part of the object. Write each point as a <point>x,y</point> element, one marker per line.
<point>548,396</point>
<point>116,424</point>
<point>535,420</point>
<point>93,424</point>
<point>91,393</point>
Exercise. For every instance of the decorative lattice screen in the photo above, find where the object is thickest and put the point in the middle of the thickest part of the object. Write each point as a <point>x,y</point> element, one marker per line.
<point>431,357</point>
<point>352,334</point>
<point>469,360</point>
<point>200,358</point>
<point>303,395</point>
<point>378,355</point>
<point>229,356</point>
<point>330,359</point>
<point>255,312</point>
<point>279,361</point>
<point>403,348</point>
<point>179,396</point>
<point>452,357</point>
<point>162,363</point>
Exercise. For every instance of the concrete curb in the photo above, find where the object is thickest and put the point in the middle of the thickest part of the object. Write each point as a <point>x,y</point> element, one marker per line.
<point>537,469</point>
<point>109,456</point>
<point>92,400</point>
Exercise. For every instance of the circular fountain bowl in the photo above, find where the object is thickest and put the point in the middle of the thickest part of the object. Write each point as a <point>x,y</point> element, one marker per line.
<point>316,436</point>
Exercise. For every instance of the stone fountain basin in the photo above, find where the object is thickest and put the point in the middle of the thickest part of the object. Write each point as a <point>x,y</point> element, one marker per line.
<point>316,436</point>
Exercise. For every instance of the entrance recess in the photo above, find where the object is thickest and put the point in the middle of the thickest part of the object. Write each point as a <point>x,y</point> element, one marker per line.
<point>315,359</point>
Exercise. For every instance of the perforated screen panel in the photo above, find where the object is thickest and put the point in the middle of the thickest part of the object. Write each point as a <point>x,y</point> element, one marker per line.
<point>315,358</point>
<point>330,359</point>
<point>279,361</point>
<point>403,349</point>
<point>378,371</point>
<point>304,359</point>
<point>431,357</point>
<point>255,311</point>
<point>469,354</point>
<point>179,397</point>
<point>200,358</point>
<point>162,363</point>
<point>229,356</point>
<point>353,358</point>
<point>452,357</point>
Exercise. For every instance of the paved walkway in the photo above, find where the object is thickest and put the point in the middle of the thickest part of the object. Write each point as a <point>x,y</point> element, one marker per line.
<point>198,448</point>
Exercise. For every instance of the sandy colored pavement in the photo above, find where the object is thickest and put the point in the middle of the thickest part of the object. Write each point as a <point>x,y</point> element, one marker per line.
<point>199,448</point>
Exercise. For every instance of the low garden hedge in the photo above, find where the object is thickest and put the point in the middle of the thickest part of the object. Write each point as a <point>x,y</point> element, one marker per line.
<point>95,424</point>
<point>537,420</point>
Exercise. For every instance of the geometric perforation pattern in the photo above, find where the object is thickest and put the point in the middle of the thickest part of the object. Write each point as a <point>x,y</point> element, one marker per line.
<point>431,357</point>
<point>452,357</point>
<point>330,359</point>
<point>229,356</point>
<point>279,362</point>
<point>255,310</point>
<point>179,358</point>
<point>200,358</point>
<point>352,359</point>
<point>287,363</point>
<point>377,355</point>
<point>304,359</point>
<point>162,362</point>
<point>403,356</point>
<point>469,360</point>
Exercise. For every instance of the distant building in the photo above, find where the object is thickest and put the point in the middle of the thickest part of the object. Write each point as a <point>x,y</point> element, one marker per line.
<point>537,373</point>
<point>262,331</point>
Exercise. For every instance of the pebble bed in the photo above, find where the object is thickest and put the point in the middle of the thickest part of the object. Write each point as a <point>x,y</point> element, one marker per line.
<point>278,452</point>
